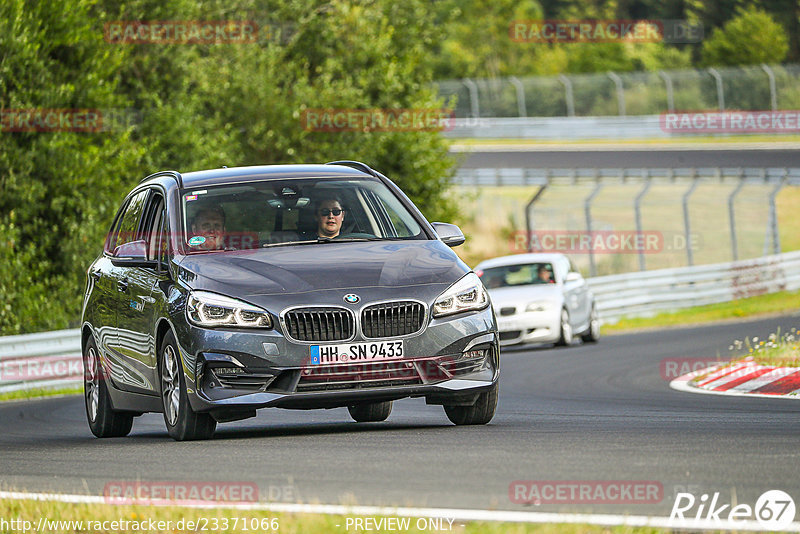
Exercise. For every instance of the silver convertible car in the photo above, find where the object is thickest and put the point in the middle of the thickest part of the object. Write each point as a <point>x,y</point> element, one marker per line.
<point>223,291</point>
<point>539,298</point>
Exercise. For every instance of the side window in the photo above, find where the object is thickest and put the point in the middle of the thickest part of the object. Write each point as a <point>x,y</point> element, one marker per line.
<point>129,222</point>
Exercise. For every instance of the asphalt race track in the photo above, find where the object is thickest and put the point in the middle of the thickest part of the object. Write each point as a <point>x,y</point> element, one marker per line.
<point>621,157</point>
<point>588,412</point>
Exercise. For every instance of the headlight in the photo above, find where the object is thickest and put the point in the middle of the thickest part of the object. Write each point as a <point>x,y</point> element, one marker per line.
<point>209,309</point>
<point>466,294</point>
<point>538,306</point>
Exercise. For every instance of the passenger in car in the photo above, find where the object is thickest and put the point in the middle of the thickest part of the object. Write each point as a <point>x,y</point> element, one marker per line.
<point>208,223</point>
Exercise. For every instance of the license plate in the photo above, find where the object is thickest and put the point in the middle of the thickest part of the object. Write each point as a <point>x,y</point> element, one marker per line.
<point>356,352</point>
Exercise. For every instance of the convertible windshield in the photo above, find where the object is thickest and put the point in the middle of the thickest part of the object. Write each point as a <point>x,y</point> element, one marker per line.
<point>294,212</point>
<point>518,275</point>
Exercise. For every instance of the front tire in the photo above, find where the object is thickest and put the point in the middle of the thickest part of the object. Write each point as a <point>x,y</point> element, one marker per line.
<point>104,421</point>
<point>479,413</point>
<point>370,413</point>
<point>566,330</point>
<point>183,424</point>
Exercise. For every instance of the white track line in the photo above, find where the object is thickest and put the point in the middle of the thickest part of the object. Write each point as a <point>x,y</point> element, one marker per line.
<point>445,513</point>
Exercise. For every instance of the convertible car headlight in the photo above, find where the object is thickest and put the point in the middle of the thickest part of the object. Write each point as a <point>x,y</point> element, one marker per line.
<point>209,309</point>
<point>465,295</point>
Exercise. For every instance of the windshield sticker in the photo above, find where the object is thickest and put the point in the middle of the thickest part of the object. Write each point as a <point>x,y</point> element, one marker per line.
<point>201,192</point>
<point>189,198</point>
<point>197,240</point>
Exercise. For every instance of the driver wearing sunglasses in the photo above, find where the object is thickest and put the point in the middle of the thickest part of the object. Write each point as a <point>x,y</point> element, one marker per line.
<point>330,216</point>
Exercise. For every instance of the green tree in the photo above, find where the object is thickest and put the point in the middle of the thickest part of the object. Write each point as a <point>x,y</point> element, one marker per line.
<point>200,106</point>
<point>752,37</point>
<point>55,187</point>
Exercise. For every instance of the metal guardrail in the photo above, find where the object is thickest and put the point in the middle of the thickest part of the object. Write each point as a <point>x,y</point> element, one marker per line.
<point>562,128</point>
<point>53,359</point>
<point>601,128</point>
<point>48,359</point>
<point>646,293</point>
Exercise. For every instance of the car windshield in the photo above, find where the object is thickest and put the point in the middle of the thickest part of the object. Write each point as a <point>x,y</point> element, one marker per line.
<point>518,275</point>
<point>293,212</point>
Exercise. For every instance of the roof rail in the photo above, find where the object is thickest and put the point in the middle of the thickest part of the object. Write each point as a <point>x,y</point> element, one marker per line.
<point>175,174</point>
<point>355,165</point>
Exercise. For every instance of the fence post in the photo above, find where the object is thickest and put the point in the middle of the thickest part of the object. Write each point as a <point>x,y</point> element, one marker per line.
<point>520,96</point>
<point>670,96</point>
<point>638,211</point>
<point>773,214</point>
<point>568,95</point>
<point>529,208</point>
<point>773,94</point>
<point>587,209</point>
<point>686,222</point>
<point>620,92</point>
<point>732,215</point>
<point>473,97</point>
<point>720,90</point>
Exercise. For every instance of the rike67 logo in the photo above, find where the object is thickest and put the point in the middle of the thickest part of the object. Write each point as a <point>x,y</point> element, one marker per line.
<point>774,510</point>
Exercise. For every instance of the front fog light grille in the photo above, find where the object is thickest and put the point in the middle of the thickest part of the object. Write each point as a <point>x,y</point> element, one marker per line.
<point>237,378</point>
<point>469,362</point>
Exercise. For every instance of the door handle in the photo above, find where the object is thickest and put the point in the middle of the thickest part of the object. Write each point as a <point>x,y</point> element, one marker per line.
<point>122,285</point>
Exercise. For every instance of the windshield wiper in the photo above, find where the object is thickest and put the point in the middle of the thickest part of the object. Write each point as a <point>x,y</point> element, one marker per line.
<point>284,243</point>
<point>329,240</point>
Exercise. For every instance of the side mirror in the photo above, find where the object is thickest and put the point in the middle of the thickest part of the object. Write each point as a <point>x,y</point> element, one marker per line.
<point>573,277</point>
<point>450,234</point>
<point>132,254</point>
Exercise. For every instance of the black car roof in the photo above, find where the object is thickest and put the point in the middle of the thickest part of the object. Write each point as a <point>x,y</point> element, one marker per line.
<point>267,172</point>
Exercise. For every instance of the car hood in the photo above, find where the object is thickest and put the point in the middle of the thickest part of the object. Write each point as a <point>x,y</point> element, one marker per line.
<point>261,275</point>
<point>519,295</point>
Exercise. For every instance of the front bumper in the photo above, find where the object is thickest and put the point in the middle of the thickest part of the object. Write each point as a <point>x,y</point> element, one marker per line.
<point>450,361</point>
<point>529,327</point>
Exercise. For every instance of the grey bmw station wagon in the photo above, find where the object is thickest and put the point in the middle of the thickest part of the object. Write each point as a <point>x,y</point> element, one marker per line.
<point>223,291</point>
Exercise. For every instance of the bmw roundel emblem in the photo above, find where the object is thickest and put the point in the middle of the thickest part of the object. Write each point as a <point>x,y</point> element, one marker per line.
<point>351,298</point>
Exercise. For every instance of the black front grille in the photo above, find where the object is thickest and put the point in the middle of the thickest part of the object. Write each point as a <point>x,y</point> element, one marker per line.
<point>392,319</point>
<point>319,324</point>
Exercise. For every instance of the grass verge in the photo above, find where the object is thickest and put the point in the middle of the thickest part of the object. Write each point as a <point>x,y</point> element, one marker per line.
<point>35,393</point>
<point>753,307</point>
<point>232,520</point>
